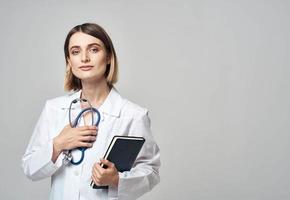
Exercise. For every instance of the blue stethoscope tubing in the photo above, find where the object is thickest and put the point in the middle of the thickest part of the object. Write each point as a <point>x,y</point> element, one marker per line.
<point>76,122</point>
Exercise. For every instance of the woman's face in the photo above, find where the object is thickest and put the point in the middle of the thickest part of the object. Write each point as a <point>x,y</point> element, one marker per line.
<point>87,57</point>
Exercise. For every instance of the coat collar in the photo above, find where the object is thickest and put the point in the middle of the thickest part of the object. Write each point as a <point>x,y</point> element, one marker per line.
<point>112,104</point>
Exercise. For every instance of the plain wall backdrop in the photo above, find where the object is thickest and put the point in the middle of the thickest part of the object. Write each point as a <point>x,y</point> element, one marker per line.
<point>215,76</point>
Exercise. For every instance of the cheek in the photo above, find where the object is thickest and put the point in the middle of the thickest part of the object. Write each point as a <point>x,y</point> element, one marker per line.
<point>99,59</point>
<point>74,62</point>
<point>74,65</point>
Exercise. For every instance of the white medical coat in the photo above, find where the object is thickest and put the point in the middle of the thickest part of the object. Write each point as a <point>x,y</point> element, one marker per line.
<point>118,117</point>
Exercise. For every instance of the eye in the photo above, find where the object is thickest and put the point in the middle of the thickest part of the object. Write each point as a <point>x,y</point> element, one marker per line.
<point>75,52</point>
<point>94,50</point>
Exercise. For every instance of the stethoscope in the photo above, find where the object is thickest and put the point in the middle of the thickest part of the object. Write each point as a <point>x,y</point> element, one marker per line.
<point>68,153</point>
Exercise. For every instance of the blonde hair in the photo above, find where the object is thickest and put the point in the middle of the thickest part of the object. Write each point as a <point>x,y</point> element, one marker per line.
<point>71,82</point>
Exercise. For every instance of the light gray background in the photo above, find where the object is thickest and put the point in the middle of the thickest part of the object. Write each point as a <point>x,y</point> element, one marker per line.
<point>215,76</point>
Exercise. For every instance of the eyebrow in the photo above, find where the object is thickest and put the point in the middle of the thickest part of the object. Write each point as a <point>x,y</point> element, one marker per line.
<point>89,45</point>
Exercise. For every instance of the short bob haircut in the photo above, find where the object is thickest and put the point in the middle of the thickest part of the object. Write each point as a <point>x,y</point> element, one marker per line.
<point>71,81</point>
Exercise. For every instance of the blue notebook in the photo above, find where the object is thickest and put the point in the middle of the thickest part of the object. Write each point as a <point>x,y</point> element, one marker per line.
<point>122,151</point>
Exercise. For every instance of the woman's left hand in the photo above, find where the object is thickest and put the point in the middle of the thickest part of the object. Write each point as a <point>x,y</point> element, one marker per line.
<point>108,176</point>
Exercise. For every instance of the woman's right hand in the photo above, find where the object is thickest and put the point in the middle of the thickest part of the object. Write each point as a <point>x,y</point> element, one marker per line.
<point>70,138</point>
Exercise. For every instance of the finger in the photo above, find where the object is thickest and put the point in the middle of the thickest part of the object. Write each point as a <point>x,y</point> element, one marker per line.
<point>85,144</point>
<point>86,128</point>
<point>93,127</point>
<point>96,173</point>
<point>108,163</point>
<point>88,138</point>
<point>88,132</point>
<point>96,180</point>
<point>98,168</point>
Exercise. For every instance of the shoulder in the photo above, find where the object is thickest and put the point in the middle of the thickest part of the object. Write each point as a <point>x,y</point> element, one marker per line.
<point>127,107</point>
<point>133,110</point>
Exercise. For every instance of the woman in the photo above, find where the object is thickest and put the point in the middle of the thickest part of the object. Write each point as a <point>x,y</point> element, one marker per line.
<point>91,73</point>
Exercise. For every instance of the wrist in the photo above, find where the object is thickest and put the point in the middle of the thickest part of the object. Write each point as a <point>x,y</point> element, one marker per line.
<point>116,180</point>
<point>56,150</point>
<point>56,145</point>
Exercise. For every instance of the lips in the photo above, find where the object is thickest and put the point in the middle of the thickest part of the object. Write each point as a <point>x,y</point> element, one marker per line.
<point>86,67</point>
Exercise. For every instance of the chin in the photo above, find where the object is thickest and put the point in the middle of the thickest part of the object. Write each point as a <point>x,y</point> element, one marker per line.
<point>94,79</point>
<point>86,75</point>
<point>90,76</point>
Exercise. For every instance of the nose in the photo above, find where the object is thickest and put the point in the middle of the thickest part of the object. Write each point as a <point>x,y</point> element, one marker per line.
<point>85,58</point>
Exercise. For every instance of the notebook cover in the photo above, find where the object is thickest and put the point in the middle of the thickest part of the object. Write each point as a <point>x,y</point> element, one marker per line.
<point>123,154</point>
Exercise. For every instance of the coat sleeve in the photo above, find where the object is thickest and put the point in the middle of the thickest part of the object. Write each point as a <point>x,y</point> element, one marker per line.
<point>145,173</point>
<point>36,162</point>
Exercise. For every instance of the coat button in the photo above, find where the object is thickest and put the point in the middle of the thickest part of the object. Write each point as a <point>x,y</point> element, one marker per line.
<point>76,173</point>
<point>102,117</point>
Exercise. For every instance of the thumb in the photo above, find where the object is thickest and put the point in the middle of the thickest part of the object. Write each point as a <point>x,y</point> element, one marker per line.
<point>107,163</point>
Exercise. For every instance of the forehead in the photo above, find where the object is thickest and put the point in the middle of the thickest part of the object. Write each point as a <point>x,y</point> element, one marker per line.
<point>83,39</point>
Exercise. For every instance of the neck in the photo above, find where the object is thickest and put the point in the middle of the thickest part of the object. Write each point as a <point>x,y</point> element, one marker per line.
<point>96,93</point>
